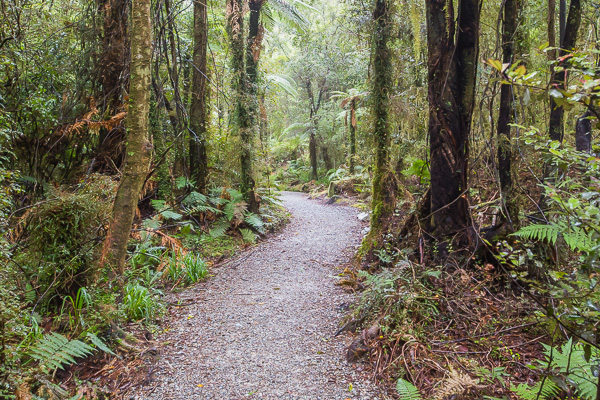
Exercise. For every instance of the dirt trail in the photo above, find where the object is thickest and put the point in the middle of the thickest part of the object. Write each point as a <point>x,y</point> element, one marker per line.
<point>263,326</point>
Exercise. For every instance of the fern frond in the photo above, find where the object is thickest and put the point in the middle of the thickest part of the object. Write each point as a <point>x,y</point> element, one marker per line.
<point>248,235</point>
<point>54,351</point>
<point>219,229</point>
<point>407,390</point>
<point>548,233</point>
<point>96,341</point>
<point>545,389</point>
<point>255,222</point>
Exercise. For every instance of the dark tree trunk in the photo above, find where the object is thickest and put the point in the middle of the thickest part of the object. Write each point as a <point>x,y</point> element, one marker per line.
<point>452,71</point>
<point>568,39</point>
<point>312,150</point>
<point>583,132</point>
<point>326,158</point>
<point>198,107</point>
<point>353,124</point>
<point>506,111</point>
<point>113,68</point>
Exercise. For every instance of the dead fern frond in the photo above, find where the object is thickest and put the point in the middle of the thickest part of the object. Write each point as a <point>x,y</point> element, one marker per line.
<point>456,384</point>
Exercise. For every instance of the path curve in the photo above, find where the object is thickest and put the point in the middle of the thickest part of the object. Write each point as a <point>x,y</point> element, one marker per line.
<point>263,327</point>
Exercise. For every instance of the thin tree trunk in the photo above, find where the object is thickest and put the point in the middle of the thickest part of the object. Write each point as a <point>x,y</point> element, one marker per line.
<point>506,111</point>
<point>312,150</point>
<point>138,148</point>
<point>452,72</point>
<point>568,40</point>
<point>198,108</point>
<point>352,135</point>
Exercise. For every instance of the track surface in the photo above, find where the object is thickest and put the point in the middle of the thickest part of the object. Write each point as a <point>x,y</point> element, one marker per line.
<point>264,324</point>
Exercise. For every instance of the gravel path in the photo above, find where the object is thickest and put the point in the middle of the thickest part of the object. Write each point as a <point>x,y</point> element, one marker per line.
<point>263,327</point>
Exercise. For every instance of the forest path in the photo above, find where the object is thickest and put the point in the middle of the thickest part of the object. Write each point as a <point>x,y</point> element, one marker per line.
<point>263,327</point>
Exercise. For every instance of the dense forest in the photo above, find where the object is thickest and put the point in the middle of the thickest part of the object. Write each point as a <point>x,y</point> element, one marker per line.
<point>143,143</point>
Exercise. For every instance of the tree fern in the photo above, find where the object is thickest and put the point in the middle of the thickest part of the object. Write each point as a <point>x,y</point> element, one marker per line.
<point>54,351</point>
<point>407,390</point>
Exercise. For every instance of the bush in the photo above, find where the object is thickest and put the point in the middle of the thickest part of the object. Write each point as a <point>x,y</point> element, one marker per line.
<point>62,235</point>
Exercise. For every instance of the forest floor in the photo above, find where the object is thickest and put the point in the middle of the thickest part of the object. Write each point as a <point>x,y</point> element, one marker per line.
<point>263,327</point>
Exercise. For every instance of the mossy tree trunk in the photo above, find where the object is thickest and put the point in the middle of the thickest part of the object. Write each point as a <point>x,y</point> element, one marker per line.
<point>384,181</point>
<point>510,20</point>
<point>243,107</point>
<point>453,48</point>
<point>138,148</point>
<point>198,109</point>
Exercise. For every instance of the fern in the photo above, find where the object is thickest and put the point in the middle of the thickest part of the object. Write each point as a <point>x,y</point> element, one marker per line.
<point>575,237</point>
<point>254,221</point>
<point>96,341</point>
<point>54,351</point>
<point>219,229</point>
<point>570,361</point>
<point>407,390</point>
<point>544,389</point>
<point>248,235</point>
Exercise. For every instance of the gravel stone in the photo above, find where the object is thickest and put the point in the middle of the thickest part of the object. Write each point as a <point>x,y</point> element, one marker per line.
<point>263,326</point>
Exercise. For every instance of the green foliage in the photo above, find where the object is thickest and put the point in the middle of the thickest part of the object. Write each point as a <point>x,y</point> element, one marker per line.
<point>576,238</point>
<point>54,351</point>
<point>187,269</point>
<point>62,234</point>
<point>407,391</point>
<point>543,390</point>
<point>141,303</point>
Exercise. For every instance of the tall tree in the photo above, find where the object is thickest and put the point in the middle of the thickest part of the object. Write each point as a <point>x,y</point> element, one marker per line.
<point>244,119</point>
<point>384,181</point>
<point>198,107</point>
<point>138,148</point>
<point>506,112</point>
<point>568,39</point>
<point>453,48</point>
<point>314,106</point>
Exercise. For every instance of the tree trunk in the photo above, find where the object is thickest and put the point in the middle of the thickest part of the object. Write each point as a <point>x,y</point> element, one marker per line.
<point>506,111</point>
<point>384,181</point>
<point>452,72</point>
<point>568,39</point>
<point>138,148</point>
<point>352,135</point>
<point>312,150</point>
<point>583,132</point>
<point>198,108</point>
<point>113,67</point>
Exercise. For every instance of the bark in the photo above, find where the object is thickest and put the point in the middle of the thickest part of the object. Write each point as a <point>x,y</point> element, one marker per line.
<point>314,105</point>
<point>113,69</point>
<point>583,132</point>
<point>452,72</point>
<point>352,135</point>
<point>384,181</point>
<point>568,40</point>
<point>506,111</point>
<point>138,148</point>
<point>551,29</point>
<point>198,108</point>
